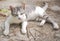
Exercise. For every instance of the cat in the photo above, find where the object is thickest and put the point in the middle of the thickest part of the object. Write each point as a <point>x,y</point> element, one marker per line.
<point>25,13</point>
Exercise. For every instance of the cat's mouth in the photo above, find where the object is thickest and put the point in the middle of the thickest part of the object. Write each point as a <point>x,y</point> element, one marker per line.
<point>19,18</point>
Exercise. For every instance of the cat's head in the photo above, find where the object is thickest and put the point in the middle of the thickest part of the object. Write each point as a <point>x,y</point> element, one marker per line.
<point>18,11</point>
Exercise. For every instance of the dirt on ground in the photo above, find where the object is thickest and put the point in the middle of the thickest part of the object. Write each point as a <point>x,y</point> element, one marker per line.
<point>34,31</point>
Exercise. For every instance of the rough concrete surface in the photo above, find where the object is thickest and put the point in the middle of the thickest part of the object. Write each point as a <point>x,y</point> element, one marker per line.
<point>34,31</point>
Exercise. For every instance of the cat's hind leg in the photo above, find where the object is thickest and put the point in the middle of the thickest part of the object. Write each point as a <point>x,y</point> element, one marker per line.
<point>50,20</point>
<point>55,25</point>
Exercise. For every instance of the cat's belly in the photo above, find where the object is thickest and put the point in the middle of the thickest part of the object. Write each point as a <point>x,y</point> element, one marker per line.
<point>32,16</point>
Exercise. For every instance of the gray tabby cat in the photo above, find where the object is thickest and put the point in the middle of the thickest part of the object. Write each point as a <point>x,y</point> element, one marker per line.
<point>24,13</point>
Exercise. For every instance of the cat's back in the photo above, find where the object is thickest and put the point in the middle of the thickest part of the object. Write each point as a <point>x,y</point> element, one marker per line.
<point>29,8</point>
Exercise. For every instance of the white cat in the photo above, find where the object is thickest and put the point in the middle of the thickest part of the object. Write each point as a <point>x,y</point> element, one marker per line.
<point>24,13</point>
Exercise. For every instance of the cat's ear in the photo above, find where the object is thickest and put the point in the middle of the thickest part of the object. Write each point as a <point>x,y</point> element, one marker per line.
<point>23,5</point>
<point>11,7</point>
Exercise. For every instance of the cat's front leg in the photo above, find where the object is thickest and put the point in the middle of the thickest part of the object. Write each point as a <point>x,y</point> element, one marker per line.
<point>24,25</point>
<point>6,30</point>
<point>7,25</point>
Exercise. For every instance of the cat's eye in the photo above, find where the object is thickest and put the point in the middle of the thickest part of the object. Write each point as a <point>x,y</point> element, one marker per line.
<point>22,13</point>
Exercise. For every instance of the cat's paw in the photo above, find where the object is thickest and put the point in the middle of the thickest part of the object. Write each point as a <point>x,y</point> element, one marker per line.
<point>56,26</point>
<point>6,32</point>
<point>41,24</point>
<point>23,31</point>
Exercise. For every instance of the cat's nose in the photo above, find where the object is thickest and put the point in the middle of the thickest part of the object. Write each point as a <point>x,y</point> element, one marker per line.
<point>19,18</point>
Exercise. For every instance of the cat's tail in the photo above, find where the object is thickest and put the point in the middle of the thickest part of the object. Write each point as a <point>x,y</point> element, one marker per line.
<point>46,6</point>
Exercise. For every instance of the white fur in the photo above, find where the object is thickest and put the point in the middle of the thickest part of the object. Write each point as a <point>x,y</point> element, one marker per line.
<point>38,11</point>
<point>42,22</point>
<point>11,20</point>
<point>32,15</point>
<point>24,25</point>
